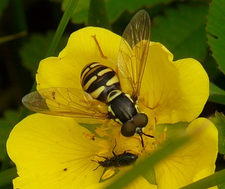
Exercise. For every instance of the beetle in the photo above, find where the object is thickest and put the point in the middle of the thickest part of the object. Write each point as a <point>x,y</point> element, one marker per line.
<point>118,160</point>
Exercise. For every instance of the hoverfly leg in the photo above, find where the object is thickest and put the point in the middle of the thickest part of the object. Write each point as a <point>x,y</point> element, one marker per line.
<point>152,136</point>
<point>142,141</point>
<point>99,48</point>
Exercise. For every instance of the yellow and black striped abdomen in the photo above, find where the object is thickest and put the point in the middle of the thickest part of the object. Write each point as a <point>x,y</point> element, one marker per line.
<point>99,80</point>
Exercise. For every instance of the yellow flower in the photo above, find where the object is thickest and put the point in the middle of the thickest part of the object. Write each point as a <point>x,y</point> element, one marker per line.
<point>57,152</point>
<point>172,87</point>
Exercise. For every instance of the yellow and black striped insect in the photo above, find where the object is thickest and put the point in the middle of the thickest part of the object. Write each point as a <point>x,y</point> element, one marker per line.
<point>102,96</point>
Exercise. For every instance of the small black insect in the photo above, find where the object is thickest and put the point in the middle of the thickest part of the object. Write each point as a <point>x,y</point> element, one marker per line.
<point>119,160</point>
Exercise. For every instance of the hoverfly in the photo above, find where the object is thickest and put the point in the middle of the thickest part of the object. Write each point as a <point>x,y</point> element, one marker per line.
<point>102,96</point>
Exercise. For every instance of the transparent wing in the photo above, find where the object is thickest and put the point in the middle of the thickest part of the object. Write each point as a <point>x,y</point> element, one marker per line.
<point>68,102</point>
<point>133,52</point>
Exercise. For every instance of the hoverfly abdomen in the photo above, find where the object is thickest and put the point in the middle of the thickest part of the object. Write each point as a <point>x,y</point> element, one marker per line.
<point>121,106</point>
<point>99,80</point>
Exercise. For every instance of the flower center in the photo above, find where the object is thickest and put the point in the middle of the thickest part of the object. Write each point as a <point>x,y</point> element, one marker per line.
<point>115,143</point>
<point>119,152</point>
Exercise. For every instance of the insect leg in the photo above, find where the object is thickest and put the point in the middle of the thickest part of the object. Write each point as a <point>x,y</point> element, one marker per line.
<point>96,167</point>
<point>99,48</point>
<point>114,148</point>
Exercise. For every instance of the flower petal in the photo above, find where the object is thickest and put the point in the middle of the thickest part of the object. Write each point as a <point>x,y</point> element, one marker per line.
<point>138,183</point>
<point>194,161</point>
<point>52,152</point>
<point>65,70</point>
<point>173,88</point>
<point>194,89</point>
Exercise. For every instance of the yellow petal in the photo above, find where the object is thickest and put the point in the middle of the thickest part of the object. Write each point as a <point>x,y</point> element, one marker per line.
<point>194,89</point>
<point>65,70</point>
<point>193,161</point>
<point>176,91</point>
<point>52,152</point>
<point>138,183</point>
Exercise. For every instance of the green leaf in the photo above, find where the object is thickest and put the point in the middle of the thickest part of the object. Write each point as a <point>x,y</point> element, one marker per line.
<point>150,176</point>
<point>219,122</point>
<point>57,1</point>
<point>216,31</point>
<point>172,129</point>
<point>221,186</point>
<point>211,67</point>
<point>80,14</point>
<point>61,27</point>
<point>3,5</point>
<point>114,8</point>
<point>97,14</point>
<point>216,94</point>
<point>182,31</point>
<point>212,180</point>
<point>7,176</point>
<point>35,50</point>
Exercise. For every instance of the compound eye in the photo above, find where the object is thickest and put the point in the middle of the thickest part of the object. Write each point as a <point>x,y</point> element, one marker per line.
<point>128,129</point>
<point>140,120</point>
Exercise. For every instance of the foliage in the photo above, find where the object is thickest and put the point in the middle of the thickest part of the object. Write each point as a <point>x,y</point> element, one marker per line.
<point>188,28</point>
